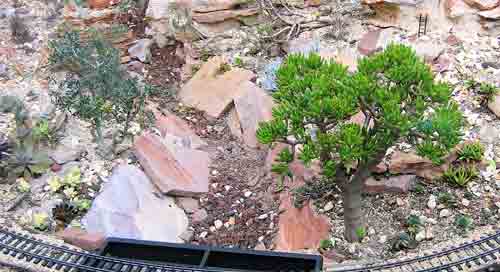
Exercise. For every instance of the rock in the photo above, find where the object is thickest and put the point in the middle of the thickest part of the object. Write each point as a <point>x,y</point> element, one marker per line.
<point>453,40</point>
<point>211,90</point>
<point>176,132</point>
<point>175,170</point>
<point>7,12</point>
<point>4,70</point>
<point>190,205</point>
<point>420,236</point>
<point>260,246</point>
<point>83,239</point>
<point>429,235</point>
<point>300,228</point>
<point>63,154</point>
<point>199,215</point>
<point>141,50</point>
<point>490,64</point>
<point>393,184</point>
<point>454,8</point>
<point>368,45</point>
<point>400,202</point>
<point>55,167</point>
<point>214,5</point>
<point>493,14</point>
<point>128,208</point>
<point>382,239</point>
<point>203,235</point>
<point>329,206</point>
<point>187,235</point>
<point>247,194</point>
<point>263,216</point>
<point>251,108</point>
<point>303,45</point>
<point>444,213</point>
<point>218,224</point>
<point>428,49</point>
<point>483,4</point>
<point>411,163</point>
<point>494,105</point>
<point>432,202</point>
<point>465,202</point>
<point>223,15</point>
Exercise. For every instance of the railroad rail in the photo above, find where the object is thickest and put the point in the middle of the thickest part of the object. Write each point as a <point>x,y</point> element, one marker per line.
<point>24,247</point>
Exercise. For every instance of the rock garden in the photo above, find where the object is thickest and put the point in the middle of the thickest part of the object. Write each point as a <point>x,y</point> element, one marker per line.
<point>361,130</point>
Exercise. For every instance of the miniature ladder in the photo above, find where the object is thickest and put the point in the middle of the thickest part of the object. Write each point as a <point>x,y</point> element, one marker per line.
<point>422,25</point>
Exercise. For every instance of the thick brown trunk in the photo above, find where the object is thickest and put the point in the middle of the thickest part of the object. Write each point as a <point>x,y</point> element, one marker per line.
<point>352,206</point>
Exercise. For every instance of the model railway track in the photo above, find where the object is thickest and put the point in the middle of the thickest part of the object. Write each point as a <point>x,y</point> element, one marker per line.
<point>460,258</point>
<point>25,248</point>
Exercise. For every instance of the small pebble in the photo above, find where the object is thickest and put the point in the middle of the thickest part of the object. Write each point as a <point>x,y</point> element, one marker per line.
<point>203,234</point>
<point>248,194</point>
<point>218,224</point>
<point>444,213</point>
<point>465,202</point>
<point>262,216</point>
<point>328,207</point>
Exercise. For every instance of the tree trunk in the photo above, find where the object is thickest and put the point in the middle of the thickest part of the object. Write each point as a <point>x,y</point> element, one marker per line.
<point>352,207</point>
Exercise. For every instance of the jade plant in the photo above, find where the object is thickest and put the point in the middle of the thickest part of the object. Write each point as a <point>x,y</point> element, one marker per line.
<point>396,92</point>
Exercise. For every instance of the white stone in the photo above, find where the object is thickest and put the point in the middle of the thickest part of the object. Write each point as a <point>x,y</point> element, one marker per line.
<point>212,229</point>
<point>382,239</point>
<point>432,203</point>
<point>262,216</point>
<point>128,208</point>
<point>329,206</point>
<point>248,194</point>
<point>203,234</point>
<point>465,202</point>
<point>420,236</point>
<point>218,224</point>
<point>444,213</point>
<point>400,202</point>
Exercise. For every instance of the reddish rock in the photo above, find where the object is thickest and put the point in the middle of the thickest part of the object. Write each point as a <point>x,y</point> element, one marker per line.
<point>454,8</point>
<point>175,170</point>
<point>453,40</point>
<point>189,204</point>
<point>272,155</point>
<point>359,118</point>
<point>441,64</point>
<point>223,15</point>
<point>494,105</point>
<point>252,107</point>
<point>411,163</point>
<point>393,184</point>
<point>213,5</point>
<point>368,44</point>
<point>386,14</point>
<point>483,4</point>
<point>82,239</point>
<point>177,132</point>
<point>55,167</point>
<point>493,14</point>
<point>212,90</point>
<point>348,57</point>
<point>300,228</point>
<point>312,3</point>
<point>380,168</point>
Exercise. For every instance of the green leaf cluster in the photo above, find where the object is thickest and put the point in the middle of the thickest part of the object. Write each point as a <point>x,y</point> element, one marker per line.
<point>96,88</point>
<point>471,152</point>
<point>461,175</point>
<point>394,89</point>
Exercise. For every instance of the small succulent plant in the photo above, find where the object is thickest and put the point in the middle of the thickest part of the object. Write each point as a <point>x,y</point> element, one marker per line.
<point>403,241</point>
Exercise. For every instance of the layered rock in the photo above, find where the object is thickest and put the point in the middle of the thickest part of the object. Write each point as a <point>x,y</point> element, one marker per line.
<point>127,207</point>
<point>212,89</point>
<point>251,108</point>
<point>174,169</point>
<point>483,4</point>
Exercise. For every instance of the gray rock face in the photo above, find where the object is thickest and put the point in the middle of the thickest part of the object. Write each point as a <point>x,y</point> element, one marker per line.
<point>141,50</point>
<point>128,208</point>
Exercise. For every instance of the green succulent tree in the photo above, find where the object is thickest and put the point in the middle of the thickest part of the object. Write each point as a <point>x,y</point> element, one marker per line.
<point>396,92</point>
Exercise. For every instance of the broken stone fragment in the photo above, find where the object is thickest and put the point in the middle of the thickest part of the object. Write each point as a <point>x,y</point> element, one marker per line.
<point>251,108</point>
<point>213,88</point>
<point>175,170</point>
<point>141,50</point>
<point>128,207</point>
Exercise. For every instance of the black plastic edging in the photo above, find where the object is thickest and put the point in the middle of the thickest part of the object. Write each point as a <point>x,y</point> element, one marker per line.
<point>210,257</point>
